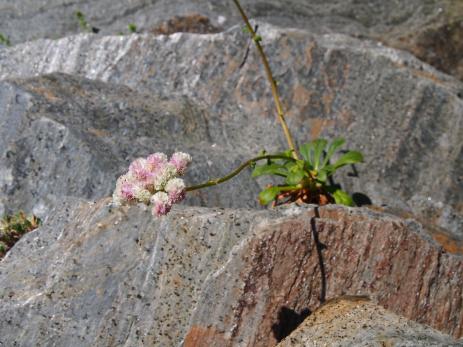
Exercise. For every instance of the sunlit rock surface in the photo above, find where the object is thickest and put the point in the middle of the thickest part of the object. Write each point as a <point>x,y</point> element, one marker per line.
<point>353,321</point>
<point>401,113</point>
<point>97,276</point>
<point>430,29</point>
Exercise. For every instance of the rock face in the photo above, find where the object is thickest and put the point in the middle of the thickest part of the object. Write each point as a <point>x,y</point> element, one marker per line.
<point>359,322</point>
<point>64,135</point>
<point>438,41</point>
<point>96,276</point>
<point>401,113</point>
<point>27,20</point>
<point>75,111</point>
<point>430,29</point>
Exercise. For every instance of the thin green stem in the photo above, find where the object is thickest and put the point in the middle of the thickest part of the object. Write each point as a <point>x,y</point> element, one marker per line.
<point>273,86</point>
<point>289,188</point>
<point>235,172</point>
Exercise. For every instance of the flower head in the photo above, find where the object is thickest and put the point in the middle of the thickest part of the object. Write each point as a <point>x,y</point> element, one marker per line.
<point>175,188</point>
<point>153,180</point>
<point>138,169</point>
<point>163,175</point>
<point>156,160</point>
<point>161,204</point>
<point>181,161</point>
<point>140,172</point>
<point>128,191</point>
<point>141,194</point>
<point>122,193</point>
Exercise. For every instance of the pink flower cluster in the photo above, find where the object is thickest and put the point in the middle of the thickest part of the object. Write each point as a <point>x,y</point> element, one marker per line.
<point>153,180</point>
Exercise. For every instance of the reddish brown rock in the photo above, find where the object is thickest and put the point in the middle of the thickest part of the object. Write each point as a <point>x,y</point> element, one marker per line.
<point>391,260</point>
<point>93,275</point>
<point>193,23</point>
<point>198,336</point>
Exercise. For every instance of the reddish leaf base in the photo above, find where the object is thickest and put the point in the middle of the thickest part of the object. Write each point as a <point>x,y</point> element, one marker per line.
<point>303,195</point>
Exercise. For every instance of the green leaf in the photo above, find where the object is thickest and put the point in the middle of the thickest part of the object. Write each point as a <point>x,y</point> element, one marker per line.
<point>308,166</point>
<point>350,157</point>
<point>268,195</point>
<point>257,38</point>
<point>269,169</point>
<point>306,152</point>
<point>294,177</point>
<point>342,198</point>
<point>319,146</point>
<point>299,164</point>
<point>291,166</point>
<point>333,146</point>
<point>329,169</point>
<point>322,175</point>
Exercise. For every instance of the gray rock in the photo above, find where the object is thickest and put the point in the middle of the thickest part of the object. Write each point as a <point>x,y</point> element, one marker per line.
<point>401,113</point>
<point>97,276</point>
<point>352,321</point>
<point>64,135</point>
<point>429,29</point>
<point>25,20</point>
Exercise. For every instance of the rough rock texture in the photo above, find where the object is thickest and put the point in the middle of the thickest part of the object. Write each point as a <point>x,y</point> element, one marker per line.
<point>430,29</point>
<point>438,42</point>
<point>353,321</point>
<point>26,20</point>
<point>96,276</point>
<point>71,136</point>
<point>405,116</point>
<point>75,111</point>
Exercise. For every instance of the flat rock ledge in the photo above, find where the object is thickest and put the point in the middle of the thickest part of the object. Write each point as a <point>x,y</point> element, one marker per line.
<point>93,275</point>
<point>356,321</point>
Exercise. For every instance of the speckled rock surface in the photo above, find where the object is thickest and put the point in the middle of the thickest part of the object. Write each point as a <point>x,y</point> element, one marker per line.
<point>25,20</point>
<point>75,111</point>
<point>438,41</point>
<point>352,321</point>
<point>96,276</point>
<point>405,116</point>
<point>430,29</point>
<point>65,135</point>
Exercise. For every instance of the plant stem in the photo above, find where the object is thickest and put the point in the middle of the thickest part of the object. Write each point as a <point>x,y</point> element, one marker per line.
<point>236,171</point>
<point>268,71</point>
<point>289,188</point>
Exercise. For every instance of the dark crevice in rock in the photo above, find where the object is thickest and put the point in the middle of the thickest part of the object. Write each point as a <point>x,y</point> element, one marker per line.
<point>320,247</point>
<point>288,321</point>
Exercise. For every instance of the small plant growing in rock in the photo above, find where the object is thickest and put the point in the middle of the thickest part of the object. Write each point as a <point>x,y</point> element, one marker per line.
<point>84,24</point>
<point>306,180</point>
<point>4,40</point>
<point>82,21</point>
<point>13,227</point>
<point>305,170</point>
<point>132,28</point>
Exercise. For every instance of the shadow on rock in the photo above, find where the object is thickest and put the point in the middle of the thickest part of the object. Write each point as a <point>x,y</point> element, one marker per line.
<point>361,199</point>
<point>288,321</point>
